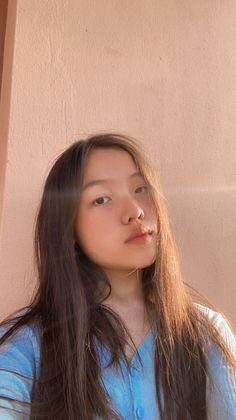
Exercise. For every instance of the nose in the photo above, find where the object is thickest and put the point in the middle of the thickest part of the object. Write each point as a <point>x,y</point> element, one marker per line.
<point>132,211</point>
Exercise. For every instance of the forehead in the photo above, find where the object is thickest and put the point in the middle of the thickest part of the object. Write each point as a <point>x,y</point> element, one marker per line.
<point>106,163</point>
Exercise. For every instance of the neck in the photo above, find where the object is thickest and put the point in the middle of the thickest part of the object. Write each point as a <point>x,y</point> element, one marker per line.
<point>125,286</point>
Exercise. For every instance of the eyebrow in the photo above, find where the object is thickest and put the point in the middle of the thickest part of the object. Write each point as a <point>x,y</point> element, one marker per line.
<point>94,182</point>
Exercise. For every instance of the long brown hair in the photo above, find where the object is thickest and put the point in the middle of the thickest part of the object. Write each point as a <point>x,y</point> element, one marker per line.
<point>70,313</point>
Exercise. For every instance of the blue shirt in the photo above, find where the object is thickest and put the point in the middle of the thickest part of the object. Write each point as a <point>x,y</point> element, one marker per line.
<point>132,393</point>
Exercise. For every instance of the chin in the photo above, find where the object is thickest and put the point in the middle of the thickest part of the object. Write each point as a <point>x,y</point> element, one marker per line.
<point>146,265</point>
<point>146,260</point>
<point>143,263</point>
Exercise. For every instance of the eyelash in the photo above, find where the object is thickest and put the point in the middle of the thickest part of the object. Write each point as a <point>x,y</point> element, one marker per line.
<point>99,204</point>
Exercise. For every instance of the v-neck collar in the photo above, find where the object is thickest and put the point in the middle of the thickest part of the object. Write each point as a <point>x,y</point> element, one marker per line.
<point>140,346</point>
<point>105,355</point>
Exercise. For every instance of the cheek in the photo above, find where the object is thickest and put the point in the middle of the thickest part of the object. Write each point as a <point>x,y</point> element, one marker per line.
<point>150,210</point>
<point>91,228</point>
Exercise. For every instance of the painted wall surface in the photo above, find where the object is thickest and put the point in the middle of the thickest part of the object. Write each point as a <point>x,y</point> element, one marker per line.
<point>8,18</point>
<point>3,18</point>
<point>161,70</point>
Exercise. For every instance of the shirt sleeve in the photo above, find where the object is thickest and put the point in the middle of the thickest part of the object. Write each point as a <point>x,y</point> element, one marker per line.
<point>17,371</point>
<point>221,384</point>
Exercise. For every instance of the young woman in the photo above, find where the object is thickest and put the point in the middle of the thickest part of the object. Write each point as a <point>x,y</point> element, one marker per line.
<point>112,332</point>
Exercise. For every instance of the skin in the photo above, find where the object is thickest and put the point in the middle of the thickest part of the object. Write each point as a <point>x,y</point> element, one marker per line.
<point>107,216</point>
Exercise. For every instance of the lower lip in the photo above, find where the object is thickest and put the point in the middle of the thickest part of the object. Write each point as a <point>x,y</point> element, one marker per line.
<point>140,239</point>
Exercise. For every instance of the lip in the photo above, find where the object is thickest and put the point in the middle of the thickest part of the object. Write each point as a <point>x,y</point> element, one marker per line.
<point>140,236</point>
<point>145,237</point>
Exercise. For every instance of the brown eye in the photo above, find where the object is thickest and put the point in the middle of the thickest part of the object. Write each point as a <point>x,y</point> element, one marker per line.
<point>101,200</point>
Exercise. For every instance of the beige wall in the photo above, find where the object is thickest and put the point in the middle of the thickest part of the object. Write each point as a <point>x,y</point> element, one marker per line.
<point>163,71</point>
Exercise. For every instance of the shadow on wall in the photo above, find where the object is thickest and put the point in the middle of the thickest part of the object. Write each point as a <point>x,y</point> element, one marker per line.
<point>3,21</point>
<point>7,35</point>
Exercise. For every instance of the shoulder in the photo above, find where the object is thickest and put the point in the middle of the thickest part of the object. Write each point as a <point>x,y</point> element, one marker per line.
<point>19,365</point>
<point>221,375</point>
<point>21,350</point>
<point>213,316</point>
<point>222,325</point>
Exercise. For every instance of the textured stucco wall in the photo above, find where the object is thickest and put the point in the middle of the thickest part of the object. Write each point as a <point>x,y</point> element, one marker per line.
<point>163,71</point>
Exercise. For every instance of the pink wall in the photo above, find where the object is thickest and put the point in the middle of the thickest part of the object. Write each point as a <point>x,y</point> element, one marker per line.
<point>163,71</point>
<point>3,19</point>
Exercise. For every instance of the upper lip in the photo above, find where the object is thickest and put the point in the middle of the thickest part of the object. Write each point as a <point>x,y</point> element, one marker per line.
<point>139,232</point>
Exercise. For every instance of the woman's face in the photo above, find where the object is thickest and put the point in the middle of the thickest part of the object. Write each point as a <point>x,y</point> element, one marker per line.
<point>114,206</point>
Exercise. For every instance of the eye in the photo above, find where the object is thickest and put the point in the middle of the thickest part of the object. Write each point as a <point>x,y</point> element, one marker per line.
<point>101,200</point>
<point>144,188</point>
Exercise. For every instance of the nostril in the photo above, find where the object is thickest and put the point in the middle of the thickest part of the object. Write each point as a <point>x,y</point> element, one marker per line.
<point>141,215</point>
